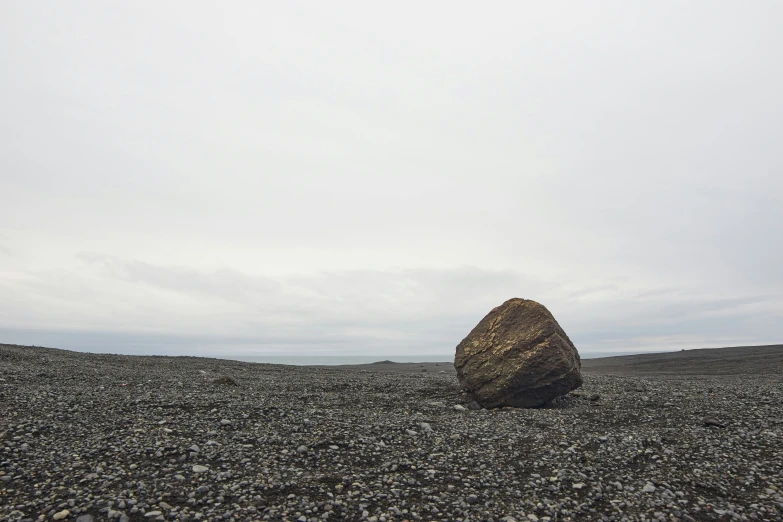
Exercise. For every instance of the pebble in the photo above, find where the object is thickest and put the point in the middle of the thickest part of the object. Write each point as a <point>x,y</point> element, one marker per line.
<point>712,421</point>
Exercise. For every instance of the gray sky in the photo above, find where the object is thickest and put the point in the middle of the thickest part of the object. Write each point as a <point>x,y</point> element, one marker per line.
<point>349,177</point>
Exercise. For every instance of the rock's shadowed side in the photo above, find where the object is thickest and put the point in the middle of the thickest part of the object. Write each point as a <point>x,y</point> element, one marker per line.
<point>518,356</point>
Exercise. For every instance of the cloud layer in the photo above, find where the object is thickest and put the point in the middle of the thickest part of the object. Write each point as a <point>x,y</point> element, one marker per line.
<point>355,178</point>
<point>110,304</point>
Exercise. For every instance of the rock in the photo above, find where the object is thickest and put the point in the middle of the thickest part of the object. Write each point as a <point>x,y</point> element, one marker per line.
<point>150,514</point>
<point>302,449</point>
<point>712,421</point>
<point>648,488</point>
<point>200,469</point>
<point>225,380</point>
<point>459,407</point>
<point>473,405</point>
<point>518,355</point>
<point>85,518</point>
<point>225,422</point>
<point>61,515</point>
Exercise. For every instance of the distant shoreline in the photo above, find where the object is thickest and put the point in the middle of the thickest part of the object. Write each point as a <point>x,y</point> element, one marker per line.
<point>764,359</point>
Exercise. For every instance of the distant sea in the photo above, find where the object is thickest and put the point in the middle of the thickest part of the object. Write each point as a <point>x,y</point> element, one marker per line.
<point>335,360</point>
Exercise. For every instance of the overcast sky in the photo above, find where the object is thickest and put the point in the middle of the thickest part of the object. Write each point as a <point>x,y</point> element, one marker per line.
<point>364,177</point>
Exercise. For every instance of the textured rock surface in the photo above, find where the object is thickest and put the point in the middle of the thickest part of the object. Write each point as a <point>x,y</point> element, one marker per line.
<point>517,356</point>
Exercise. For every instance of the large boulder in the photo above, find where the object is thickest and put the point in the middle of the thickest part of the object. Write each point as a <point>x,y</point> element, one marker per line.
<point>517,356</point>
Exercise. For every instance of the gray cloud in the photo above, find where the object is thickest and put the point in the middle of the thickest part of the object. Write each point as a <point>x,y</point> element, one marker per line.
<point>276,175</point>
<point>140,306</point>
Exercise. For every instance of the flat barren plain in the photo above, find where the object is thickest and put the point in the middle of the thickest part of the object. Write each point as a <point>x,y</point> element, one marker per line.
<point>694,435</point>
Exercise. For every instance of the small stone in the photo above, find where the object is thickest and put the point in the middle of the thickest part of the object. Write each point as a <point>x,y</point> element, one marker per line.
<point>200,469</point>
<point>85,518</point>
<point>578,485</point>
<point>62,515</point>
<point>712,421</point>
<point>150,514</point>
<point>473,405</point>
<point>648,488</point>
<point>459,407</point>
<point>302,449</point>
<point>225,422</point>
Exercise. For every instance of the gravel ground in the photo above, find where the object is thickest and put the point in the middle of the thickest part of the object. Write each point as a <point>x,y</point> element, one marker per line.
<point>105,437</point>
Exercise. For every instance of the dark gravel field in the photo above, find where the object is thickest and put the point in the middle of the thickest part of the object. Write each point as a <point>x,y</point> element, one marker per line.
<point>106,437</point>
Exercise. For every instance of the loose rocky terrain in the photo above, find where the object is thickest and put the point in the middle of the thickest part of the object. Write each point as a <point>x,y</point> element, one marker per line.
<point>106,437</point>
